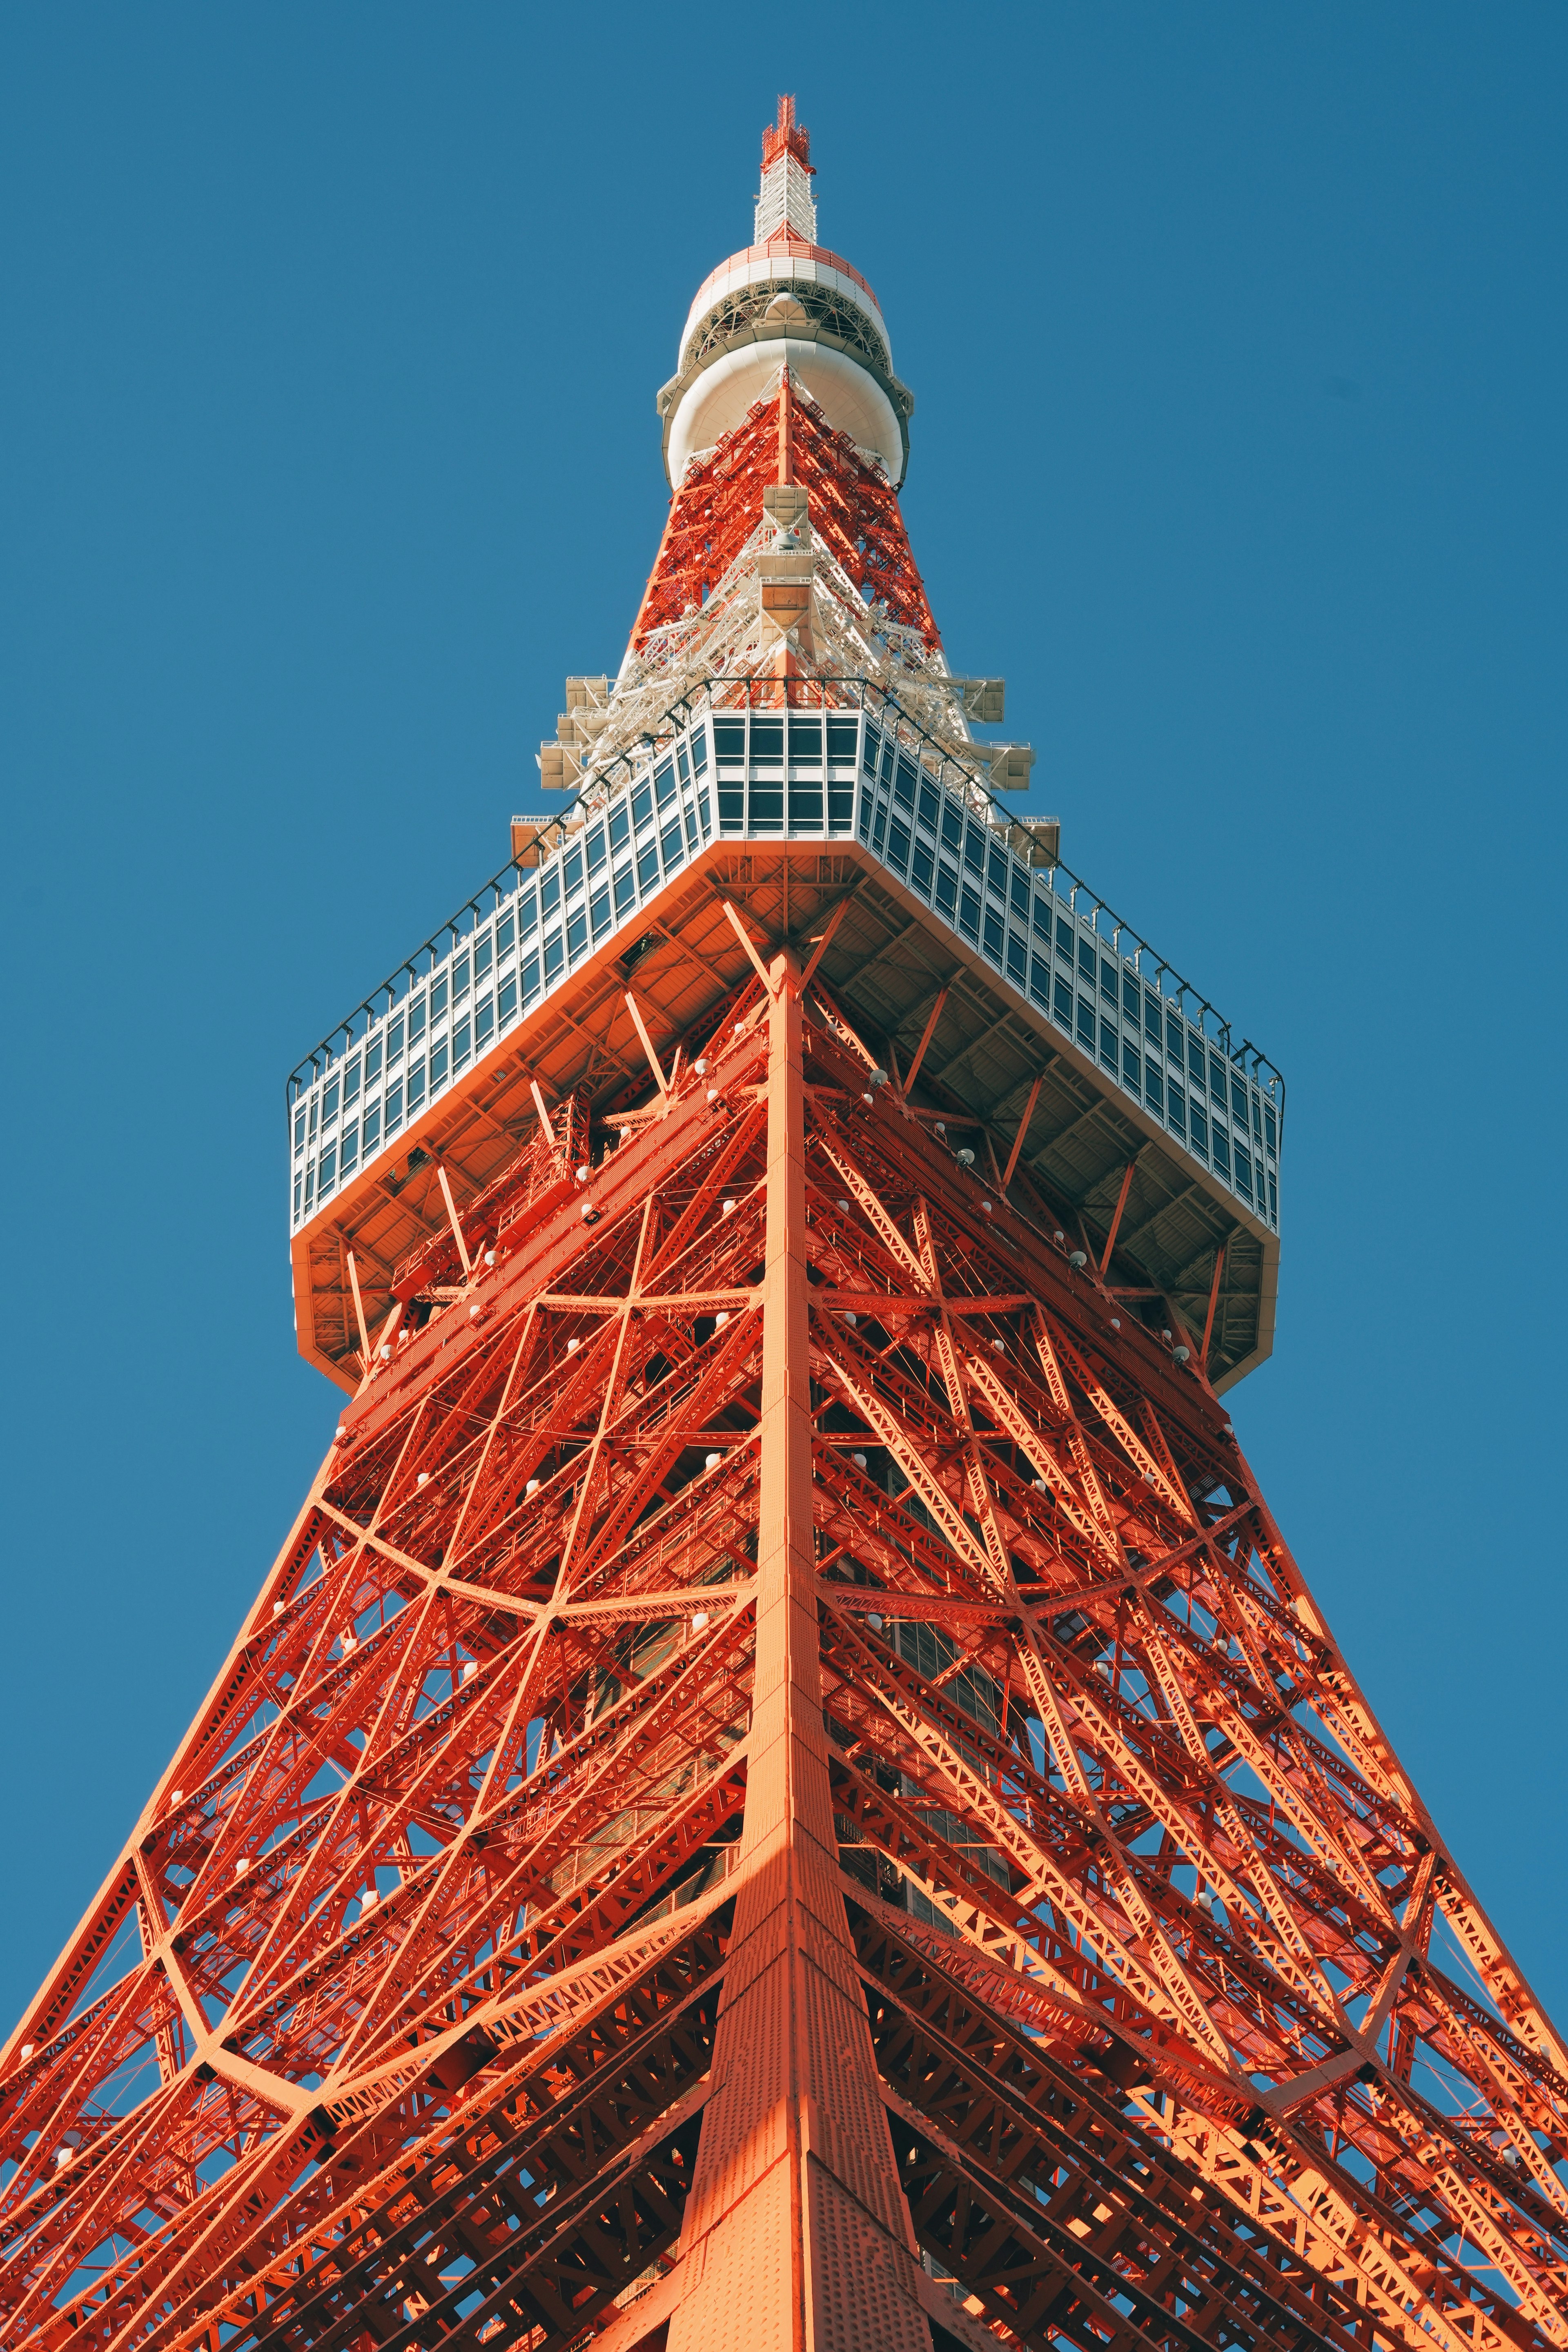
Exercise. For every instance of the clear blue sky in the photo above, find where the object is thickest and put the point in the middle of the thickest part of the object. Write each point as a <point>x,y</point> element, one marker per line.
<point>326,412</point>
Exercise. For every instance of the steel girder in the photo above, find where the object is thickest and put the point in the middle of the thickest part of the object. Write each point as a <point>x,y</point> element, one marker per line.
<point>783,1780</point>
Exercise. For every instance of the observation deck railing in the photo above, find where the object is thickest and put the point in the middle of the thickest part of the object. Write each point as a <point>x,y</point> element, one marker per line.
<point>728,765</point>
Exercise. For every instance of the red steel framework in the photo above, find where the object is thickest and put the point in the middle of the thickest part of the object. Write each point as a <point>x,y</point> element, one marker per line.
<point>719,504</point>
<point>721,1826</point>
<point>785,1789</point>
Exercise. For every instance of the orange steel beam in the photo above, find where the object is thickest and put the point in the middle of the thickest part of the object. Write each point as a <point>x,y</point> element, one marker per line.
<point>454,1220</point>
<point>359,1309</point>
<point>1214,1302</point>
<point>743,935</point>
<point>635,1008</point>
<point>823,943</point>
<point>1116,1218</point>
<point>926,1034</point>
<point>798,2022</point>
<point>1022,1131</point>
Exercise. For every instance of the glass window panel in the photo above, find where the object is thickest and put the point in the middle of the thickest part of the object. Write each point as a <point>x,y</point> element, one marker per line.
<point>1132,1061</point>
<point>484,1021</point>
<point>729,739</point>
<point>647,867</point>
<point>329,1102</point>
<point>416,1085</point>
<point>351,1082</point>
<point>969,911</point>
<point>1153,1019</point>
<point>1018,958</point>
<point>626,892</point>
<point>767,808</point>
<point>506,1000</point>
<point>946,888</point>
<point>1132,998</point>
<point>671,848</point>
<point>931,807</point>
<point>1200,1129</point>
<point>904,783</point>
<point>527,913</point>
<point>767,739</point>
<point>394,1039</point>
<point>804,740</point>
<point>373,1062</point>
<point>873,745</point>
<point>1153,1086</point>
<point>462,1043</point>
<point>395,1107</point>
<point>599,910</point>
<point>620,826</point>
<point>348,1149</point>
<point>572,870</point>
<point>327,1172</point>
<point>1086,1025</point>
<point>1176,1108</point>
<point>597,848</point>
<point>664,782</point>
<point>481,956</point>
<point>642,806</point>
<point>438,1063</point>
<point>997,869</point>
<point>898,845</point>
<point>951,824</point>
<point>993,933</point>
<point>549,894</point>
<point>461,978</point>
<point>529,978</point>
<point>577,932</point>
<point>1061,1000</point>
<point>805,808</point>
<point>1221,1143</point>
<point>552,957</point>
<point>370,1123</point>
<point>974,847</point>
<point>841,735</point>
<point>1269,1130</point>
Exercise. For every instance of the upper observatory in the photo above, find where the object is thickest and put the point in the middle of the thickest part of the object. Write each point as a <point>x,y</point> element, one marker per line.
<point>786,301</point>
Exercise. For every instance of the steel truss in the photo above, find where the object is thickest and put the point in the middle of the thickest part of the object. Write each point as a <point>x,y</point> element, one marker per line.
<point>785,1787</point>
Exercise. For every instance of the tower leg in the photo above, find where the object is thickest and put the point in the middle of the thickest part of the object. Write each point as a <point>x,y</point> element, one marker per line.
<point>798,2234</point>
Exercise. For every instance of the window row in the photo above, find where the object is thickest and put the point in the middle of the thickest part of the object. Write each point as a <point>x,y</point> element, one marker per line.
<point>549,923</point>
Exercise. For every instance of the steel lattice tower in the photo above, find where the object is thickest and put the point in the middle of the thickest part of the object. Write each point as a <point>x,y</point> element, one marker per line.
<point>784,1788</point>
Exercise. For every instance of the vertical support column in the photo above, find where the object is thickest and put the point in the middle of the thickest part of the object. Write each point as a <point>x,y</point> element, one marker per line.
<point>797,2236</point>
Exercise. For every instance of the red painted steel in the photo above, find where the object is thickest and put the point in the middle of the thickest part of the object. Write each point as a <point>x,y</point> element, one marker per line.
<point>719,504</point>
<point>784,1788</point>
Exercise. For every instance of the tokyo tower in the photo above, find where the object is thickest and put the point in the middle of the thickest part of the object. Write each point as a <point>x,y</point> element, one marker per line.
<point>785,1789</point>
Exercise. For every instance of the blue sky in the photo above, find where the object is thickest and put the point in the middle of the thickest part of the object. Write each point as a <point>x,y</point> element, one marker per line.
<point>326,403</point>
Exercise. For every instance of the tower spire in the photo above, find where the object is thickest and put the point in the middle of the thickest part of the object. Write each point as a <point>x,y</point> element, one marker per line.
<point>785,201</point>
